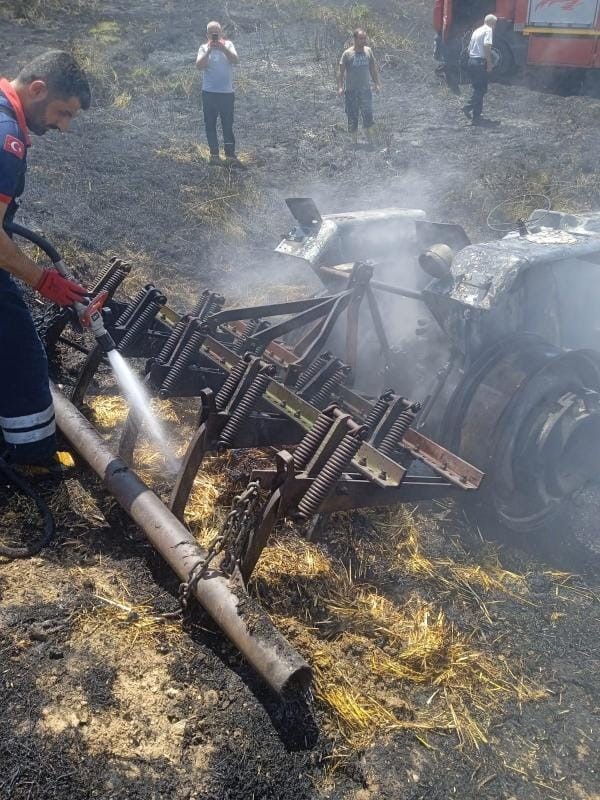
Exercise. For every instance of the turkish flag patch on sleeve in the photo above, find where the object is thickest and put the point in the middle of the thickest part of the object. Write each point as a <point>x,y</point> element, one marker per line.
<point>14,146</point>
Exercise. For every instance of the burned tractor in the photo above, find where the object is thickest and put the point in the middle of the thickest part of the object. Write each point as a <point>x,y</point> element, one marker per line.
<point>502,345</point>
<point>425,367</point>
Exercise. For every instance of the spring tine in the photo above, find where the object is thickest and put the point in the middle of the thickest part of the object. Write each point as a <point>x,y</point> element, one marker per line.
<point>310,372</point>
<point>331,472</point>
<point>323,396</point>
<point>226,391</point>
<point>112,283</point>
<point>183,358</point>
<point>307,447</point>
<point>247,403</point>
<point>140,324</point>
<point>376,413</point>
<point>215,305</point>
<point>249,328</point>
<point>391,441</point>
<point>115,266</point>
<point>200,305</point>
<point>169,346</point>
<point>128,311</point>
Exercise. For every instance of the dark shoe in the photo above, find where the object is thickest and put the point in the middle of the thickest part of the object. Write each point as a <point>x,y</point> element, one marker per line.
<point>476,121</point>
<point>466,111</point>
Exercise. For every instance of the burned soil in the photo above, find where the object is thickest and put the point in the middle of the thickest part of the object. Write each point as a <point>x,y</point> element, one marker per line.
<point>448,664</point>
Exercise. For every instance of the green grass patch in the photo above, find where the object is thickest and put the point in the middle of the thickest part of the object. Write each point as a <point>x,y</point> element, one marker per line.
<point>225,203</point>
<point>103,79</point>
<point>107,32</point>
<point>37,11</point>
<point>346,18</point>
<point>146,80</point>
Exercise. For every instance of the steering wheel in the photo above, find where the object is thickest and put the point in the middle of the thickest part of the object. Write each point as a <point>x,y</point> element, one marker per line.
<point>516,213</point>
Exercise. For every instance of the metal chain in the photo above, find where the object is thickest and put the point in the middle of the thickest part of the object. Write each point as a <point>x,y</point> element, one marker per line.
<point>231,540</point>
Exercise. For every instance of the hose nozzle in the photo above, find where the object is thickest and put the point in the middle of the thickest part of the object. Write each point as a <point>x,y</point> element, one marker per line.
<point>90,316</point>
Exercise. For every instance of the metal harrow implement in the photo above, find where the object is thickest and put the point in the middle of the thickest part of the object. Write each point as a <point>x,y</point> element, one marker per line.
<point>336,449</point>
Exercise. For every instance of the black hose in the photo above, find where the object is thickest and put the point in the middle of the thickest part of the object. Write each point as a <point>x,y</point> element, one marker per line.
<point>49,526</point>
<point>35,238</point>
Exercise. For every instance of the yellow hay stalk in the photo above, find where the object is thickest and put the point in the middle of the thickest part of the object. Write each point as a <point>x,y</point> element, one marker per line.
<point>384,660</point>
<point>109,411</point>
<point>371,652</point>
<point>201,511</point>
<point>128,622</point>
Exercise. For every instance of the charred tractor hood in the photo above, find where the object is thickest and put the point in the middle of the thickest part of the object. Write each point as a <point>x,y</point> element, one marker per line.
<point>545,282</point>
<point>332,239</point>
<point>530,282</point>
<point>392,238</point>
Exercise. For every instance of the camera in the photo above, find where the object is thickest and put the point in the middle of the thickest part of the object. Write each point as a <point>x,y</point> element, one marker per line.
<point>215,37</point>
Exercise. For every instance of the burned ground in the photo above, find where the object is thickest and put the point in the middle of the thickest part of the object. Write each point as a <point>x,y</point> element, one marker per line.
<point>446,666</point>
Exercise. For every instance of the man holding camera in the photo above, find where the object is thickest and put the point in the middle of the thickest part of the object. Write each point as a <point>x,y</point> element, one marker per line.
<point>216,59</point>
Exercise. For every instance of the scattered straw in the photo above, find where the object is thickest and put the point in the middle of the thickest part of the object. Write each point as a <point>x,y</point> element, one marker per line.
<point>108,411</point>
<point>130,621</point>
<point>201,512</point>
<point>384,662</point>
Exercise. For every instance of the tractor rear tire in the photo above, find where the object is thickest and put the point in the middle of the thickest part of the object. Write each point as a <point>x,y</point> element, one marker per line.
<point>526,414</point>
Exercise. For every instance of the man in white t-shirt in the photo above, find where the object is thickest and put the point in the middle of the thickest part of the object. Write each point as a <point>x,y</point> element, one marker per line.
<point>216,59</point>
<point>480,65</point>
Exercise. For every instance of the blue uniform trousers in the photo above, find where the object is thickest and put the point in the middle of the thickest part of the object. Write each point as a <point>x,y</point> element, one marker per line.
<point>26,409</point>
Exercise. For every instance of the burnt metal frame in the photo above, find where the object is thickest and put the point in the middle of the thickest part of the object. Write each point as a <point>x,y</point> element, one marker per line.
<point>324,311</point>
<point>351,491</point>
<point>293,417</point>
<point>281,417</point>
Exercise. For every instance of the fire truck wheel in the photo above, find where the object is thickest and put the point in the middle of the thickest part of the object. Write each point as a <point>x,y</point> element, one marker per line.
<point>503,58</point>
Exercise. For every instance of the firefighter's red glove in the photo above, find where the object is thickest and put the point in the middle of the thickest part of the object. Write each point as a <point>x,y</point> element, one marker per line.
<point>60,290</point>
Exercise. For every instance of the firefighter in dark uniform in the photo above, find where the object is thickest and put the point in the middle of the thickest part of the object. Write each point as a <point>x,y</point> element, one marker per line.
<point>45,95</point>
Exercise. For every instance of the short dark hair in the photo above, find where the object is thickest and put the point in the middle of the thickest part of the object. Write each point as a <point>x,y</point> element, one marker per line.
<point>357,32</point>
<point>61,73</point>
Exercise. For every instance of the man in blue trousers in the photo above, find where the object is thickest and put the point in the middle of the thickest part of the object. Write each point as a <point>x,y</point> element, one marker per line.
<point>46,95</point>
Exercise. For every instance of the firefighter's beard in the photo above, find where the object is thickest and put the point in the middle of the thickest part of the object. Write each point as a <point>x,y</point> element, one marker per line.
<point>36,119</point>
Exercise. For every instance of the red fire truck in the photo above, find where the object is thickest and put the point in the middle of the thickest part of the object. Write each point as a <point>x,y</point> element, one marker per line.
<point>547,33</point>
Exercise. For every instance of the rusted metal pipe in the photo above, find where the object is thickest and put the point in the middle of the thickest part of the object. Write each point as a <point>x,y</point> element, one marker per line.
<point>241,619</point>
